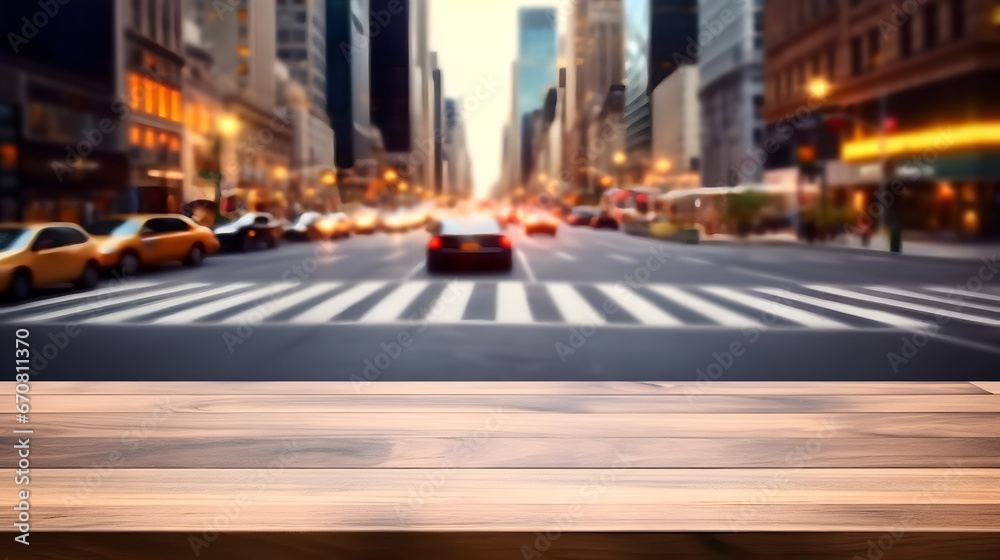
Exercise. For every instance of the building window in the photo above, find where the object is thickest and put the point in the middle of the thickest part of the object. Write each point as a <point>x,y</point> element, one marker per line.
<point>906,38</point>
<point>957,19</point>
<point>856,68</point>
<point>930,26</point>
<point>151,20</point>
<point>874,48</point>
<point>137,14</point>
<point>166,33</point>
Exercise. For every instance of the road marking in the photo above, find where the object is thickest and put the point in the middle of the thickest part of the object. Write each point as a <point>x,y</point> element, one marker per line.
<point>565,256</point>
<point>637,306</point>
<point>937,299</point>
<point>905,305</point>
<point>286,302</point>
<point>413,272</point>
<point>200,312</point>
<point>512,303</point>
<point>870,314</point>
<point>703,307</point>
<point>525,264</point>
<point>450,305</point>
<point>781,310</point>
<point>393,306</point>
<point>128,299</point>
<point>324,311</point>
<point>980,295</point>
<point>695,260</point>
<point>571,305</point>
<point>74,297</point>
<point>622,258</point>
<point>150,308</point>
<point>764,275</point>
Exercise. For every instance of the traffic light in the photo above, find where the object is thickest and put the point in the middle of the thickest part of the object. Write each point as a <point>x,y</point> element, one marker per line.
<point>806,156</point>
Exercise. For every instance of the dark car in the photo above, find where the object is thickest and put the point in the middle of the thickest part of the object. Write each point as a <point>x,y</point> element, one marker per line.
<point>602,221</point>
<point>469,243</point>
<point>581,216</point>
<point>248,232</point>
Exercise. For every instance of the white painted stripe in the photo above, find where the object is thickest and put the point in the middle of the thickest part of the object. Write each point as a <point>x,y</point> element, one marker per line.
<point>76,297</point>
<point>286,302</point>
<point>905,305</point>
<point>695,260</point>
<point>571,305</point>
<point>784,311</point>
<point>393,306</point>
<point>97,306</point>
<point>955,303</point>
<point>326,310</point>
<point>870,314</point>
<point>704,307</point>
<point>635,305</point>
<point>526,264</point>
<point>966,293</point>
<point>623,259</point>
<point>512,303</point>
<point>156,306</point>
<point>211,308</point>
<point>450,305</point>
<point>565,256</point>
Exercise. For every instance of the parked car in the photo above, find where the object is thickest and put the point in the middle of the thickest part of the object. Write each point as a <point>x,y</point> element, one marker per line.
<point>310,226</point>
<point>43,255</point>
<point>249,232</point>
<point>130,242</point>
<point>602,221</point>
<point>469,243</point>
<point>581,215</point>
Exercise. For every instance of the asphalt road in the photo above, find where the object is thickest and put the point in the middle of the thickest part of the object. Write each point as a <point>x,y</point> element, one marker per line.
<point>584,305</point>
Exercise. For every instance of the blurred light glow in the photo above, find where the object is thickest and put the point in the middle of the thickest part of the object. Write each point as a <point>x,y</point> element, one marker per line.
<point>818,87</point>
<point>619,158</point>
<point>974,135</point>
<point>228,125</point>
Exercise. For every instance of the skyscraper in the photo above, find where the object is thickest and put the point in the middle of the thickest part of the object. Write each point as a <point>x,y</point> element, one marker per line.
<point>301,44</point>
<point>347,58</point>
<point>537,73</point>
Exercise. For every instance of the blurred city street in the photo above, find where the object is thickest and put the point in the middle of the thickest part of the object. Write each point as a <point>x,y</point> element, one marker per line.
<point>583,305</point>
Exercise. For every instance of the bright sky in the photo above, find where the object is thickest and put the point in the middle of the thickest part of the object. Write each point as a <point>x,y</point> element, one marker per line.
<point>476,42</point>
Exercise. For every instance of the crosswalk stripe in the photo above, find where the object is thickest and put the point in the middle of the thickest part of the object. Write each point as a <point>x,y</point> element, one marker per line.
<point>703,307</point>
<point>202,311</point>
<point>905,305</point>
<point>324,311</point>
<point>864,313</point>
<point>781,310</point>
<point>156,306</point>
<point>512,303</point>
<point>635,305</point>
<point>93,307</point>
<point>571,305</point>
<point>395,304</point>
<point>565,256</point>
<point>82,295</point>
<point>958,303</point>
<point>450,305</point>
<point>284,303</point>
<point>966,293</point>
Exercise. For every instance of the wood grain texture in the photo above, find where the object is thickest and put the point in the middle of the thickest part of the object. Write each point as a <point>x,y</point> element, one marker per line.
<point>991,386</point>
<point>499,388</point>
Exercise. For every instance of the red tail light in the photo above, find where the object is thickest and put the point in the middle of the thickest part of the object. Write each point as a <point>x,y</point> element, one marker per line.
<point>435,244</point>
<point>505,242</point>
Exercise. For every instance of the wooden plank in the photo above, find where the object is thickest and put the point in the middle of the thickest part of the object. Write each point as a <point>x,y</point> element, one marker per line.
<point>41,387</point>
<point>991,386</point>
<point>521,499</point>
<point>477,453</point>
<point>484,404</point>
<point>163,423</point>
<point>367,545</point>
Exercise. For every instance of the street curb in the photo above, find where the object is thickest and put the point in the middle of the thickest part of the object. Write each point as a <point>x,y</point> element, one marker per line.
<point>854,250</point>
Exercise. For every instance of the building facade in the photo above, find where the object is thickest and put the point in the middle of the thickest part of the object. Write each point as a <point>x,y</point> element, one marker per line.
<point>908,93</point>
<point>301,44</point>
<point>676,138</point>
<point>731,44</point>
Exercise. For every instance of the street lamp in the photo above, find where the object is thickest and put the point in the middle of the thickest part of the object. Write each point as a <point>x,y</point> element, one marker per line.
<point>663,165</point>
<point>619,159</point>
<point>229,126</point>
<point>819,87</point>
<point>391,175</point>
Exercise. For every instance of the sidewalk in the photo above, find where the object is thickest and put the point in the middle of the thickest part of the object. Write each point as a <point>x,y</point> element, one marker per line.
<point>879,244</point>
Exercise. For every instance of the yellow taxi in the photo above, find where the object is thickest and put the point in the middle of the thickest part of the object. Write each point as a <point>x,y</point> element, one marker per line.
<point>43,255</point>
<point>130,242</point>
